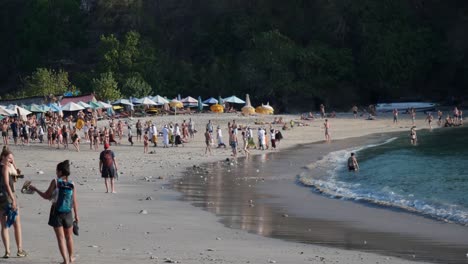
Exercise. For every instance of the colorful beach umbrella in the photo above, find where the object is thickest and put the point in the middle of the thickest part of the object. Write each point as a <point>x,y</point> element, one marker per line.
<point>160,100</point>
<point>95,105</point>
<point>145,101</point>
<point>189,102</point>
<point>248,108</point>
<point>200,104</point>
<point>210,100</point>
<point>233,100</point>
<point>105,105</point>
<point>217,108</point>
<point>123,102</point>
<point>71,107</point>
<point>85,105</point>
<point>176,104</point>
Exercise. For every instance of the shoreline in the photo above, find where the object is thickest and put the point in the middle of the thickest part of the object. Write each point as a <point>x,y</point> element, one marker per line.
<point>271,199</point>
<point>112,227</point>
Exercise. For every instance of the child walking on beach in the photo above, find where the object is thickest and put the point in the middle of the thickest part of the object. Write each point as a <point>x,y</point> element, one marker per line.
<point>62,193</point>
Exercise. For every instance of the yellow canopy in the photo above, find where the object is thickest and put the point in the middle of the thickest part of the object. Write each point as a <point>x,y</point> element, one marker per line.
<point>176,104</point>
<point>217,108</point>
<point>264,110</point>
<point>248,110</point>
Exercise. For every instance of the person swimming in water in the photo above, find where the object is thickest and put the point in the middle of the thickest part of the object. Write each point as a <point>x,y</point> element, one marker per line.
<point>414,138</point>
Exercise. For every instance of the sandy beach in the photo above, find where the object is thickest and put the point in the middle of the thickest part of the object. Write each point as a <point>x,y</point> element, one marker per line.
<point>146,221</point>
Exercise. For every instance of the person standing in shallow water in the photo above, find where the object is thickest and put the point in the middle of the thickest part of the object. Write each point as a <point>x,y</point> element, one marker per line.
<point>414,138</point>
<point>352,163</point>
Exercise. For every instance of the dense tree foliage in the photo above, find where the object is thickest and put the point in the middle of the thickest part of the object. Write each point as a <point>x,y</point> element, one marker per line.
<point>295,54</point>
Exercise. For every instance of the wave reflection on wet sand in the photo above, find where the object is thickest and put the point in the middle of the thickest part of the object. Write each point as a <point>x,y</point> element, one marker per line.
<point>259,194</point>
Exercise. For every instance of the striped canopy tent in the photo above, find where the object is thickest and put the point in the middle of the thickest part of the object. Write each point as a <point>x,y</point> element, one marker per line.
<point>145,101</point>
<point>44,108</point>
<point>95,105</point>
<point>159,100</point>
<point>233,100</point>
<point>19,110</point>
<point>122,102</point>
<point>54,107</point>
<point>6,112</point>
<point>36,108</point>
<point>105,105</point>
<point>84,105</point>
<point>189,102</point>
<point>72,107</point>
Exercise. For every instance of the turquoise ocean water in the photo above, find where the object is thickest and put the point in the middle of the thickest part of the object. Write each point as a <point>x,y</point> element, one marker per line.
<point>430,178</point>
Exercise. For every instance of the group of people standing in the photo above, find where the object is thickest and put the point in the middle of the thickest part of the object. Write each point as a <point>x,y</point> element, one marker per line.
<point>265,138</point>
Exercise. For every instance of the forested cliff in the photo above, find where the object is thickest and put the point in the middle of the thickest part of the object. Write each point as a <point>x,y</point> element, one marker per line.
<point>295,54</point>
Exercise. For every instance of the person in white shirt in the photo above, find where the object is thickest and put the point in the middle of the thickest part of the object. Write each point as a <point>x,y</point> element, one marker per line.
<point>165,132</point>
<point>219,135</point>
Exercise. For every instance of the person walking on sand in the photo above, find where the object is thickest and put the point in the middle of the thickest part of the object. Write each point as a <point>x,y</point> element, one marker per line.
<point>145,142</point>
<point>413,116</point>
<point>326,126</point>
<point>5,132</point>
<point>139,129</point>
<point>108,167</point>
<point>8,203</point>
<point>62,193</point>
<point>208,141</point>
<point>165,132</point>
<point>219,135</point>
<point>75,139</point>
<point>352,163</point>
<point>233,140</point>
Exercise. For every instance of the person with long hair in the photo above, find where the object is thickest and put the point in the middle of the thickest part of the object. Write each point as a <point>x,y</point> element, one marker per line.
<point>8,201</point>
<point>62,209</point>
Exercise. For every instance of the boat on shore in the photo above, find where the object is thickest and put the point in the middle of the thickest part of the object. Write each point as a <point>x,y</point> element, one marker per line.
<point>403,106</point>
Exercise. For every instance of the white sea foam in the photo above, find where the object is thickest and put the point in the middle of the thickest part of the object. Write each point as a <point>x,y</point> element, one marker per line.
<point>330,185</point>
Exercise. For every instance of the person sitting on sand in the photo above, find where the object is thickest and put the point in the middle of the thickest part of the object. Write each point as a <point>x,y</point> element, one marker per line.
<point>62,221</point>
<point>352,163</point>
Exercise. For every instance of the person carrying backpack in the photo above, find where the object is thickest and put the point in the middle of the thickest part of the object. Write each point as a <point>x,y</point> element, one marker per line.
<point>62,193</point>
<point>108,167</point>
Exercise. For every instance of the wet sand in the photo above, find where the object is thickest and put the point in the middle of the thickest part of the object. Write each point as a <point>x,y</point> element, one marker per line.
<point>260,194</point>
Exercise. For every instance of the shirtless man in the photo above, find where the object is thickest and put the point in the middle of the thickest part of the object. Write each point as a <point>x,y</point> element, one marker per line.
<point>352,163</point>
<point>5,133</point>
<point>414,138</point>
<point>439,115</point>
<point>429,119</point>
<point>139,129</point>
